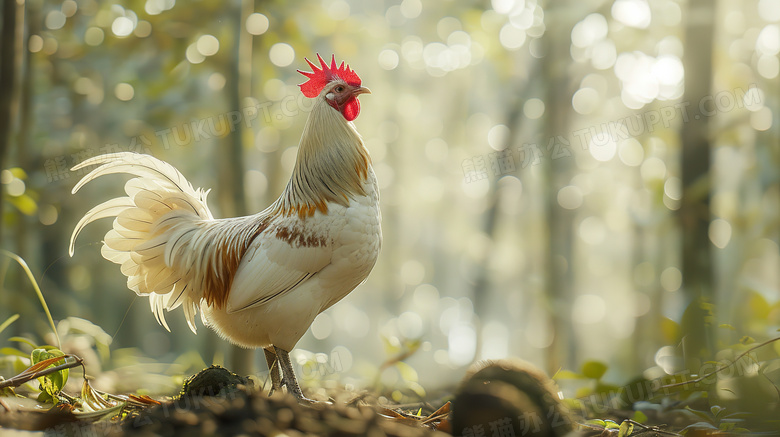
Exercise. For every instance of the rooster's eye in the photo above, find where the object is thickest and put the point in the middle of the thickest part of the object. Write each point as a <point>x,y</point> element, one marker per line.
<point>339,89</point>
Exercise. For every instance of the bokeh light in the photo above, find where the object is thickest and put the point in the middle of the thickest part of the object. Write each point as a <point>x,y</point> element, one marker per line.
<point>634,13</point>
<point>208,45</point>
<point>257,24</point>
<point>281,54</point>
<point>124,91</point>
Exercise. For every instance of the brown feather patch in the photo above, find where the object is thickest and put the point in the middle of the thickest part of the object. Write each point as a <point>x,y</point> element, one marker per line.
<point>295,237</point>
<point>305,210</point>
<point>217,281</point>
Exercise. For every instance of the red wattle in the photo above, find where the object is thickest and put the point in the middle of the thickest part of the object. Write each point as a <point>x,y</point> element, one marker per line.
<point>351,109</point>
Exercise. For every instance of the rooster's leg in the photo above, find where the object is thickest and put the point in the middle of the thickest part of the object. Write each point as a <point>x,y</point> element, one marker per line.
<point>273,369</point>
<point>288,379</point>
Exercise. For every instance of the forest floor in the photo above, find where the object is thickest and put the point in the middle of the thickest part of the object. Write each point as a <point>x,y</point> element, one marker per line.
<point>219,402</point>
<point>502,399</point>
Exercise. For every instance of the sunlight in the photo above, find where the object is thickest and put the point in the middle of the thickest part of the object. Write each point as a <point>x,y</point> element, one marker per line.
<point>588,309</point>
<point>602,147</point>
<point>589,31</point>
<point>462,341</point>
<point>388,59</point>
<point>634,13</point>
<point>720,233</point>
<point>281,54</point>
<point>506,7</point>
<point>257,24</point>
<point>208,45</point>
<point>122,26</point>
<point>668,70</point>
<point>495,341</point>
<point>156,7</point>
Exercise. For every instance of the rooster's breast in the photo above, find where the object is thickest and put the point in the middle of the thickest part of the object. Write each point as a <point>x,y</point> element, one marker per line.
<point>356,244</point>
<point>344,243</point>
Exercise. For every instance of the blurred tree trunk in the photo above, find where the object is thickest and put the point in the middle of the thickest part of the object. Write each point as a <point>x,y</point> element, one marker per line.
<point>231,163</point>
<point>694,212</point>
<point>10,61</point>
<point>481,295</point>
<point>23,159</point>
<point>560,21</point>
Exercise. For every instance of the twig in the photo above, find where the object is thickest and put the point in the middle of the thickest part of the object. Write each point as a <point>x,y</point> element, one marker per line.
<point>721,368</point>
<point>409,406</point>
<point>358,398</point>
<point>645,428</point>
<point>26,376</point>
<point>393,360</point>
<point>439,414</point>
<point>398,358</point>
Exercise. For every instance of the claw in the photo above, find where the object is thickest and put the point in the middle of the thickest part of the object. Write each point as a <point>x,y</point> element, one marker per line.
<point>288,377</point>
<point>273,369</point>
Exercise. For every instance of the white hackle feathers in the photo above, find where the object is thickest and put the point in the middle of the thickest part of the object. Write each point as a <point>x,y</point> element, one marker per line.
<point>331,166</point>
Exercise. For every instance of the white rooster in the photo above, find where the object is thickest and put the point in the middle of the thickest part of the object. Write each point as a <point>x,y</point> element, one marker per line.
<point>259,280</point>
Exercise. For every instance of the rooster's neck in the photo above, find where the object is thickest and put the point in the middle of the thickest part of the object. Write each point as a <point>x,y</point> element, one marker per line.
<point>332,164</point>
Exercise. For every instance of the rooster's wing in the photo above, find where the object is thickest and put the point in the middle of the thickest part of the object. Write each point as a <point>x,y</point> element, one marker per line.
<point>280,259</point>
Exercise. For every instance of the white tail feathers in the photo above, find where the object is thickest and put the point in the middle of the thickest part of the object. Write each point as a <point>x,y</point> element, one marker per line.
<point>153,225</point>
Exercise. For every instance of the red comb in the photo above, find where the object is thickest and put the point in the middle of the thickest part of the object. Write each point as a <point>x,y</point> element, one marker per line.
<point>320,77</point>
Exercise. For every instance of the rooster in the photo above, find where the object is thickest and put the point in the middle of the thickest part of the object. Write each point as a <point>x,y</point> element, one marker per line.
<point>260,280</point>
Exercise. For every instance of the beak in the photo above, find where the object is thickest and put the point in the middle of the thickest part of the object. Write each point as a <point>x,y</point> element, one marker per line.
<point>360,90</point>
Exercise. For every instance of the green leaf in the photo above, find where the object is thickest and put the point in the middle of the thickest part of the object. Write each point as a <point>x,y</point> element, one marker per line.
<point>700,414</point>
<point>716,410</point>
<point>45,398</point>
<point>23,203</point>
<point>52,383</point>
<point>670,330</point>
<point>747,340</point>
<point>8,322</point>
<point>639,417</point>
<point>7,391</point>
<point>700,425</point>
<point>611,424</point>
<point>391,347</point>
<point>18,173</point>
<point>758,306</point>
<point>626,428</point>
<point>406,371</point>
<point>24,340</point>
<point>416,388</point>
<point>23,264</point>
<point>727,426</point>
<point>566,374</point>
<point>573,404</point>
<point>594,369</point>
<point>583,392</point>
<point>99,336</point>
<point>20,365</point>
<point>727,326</point>
<point>606,389</point>
<point>13,351</point>
<point>597,422</point>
